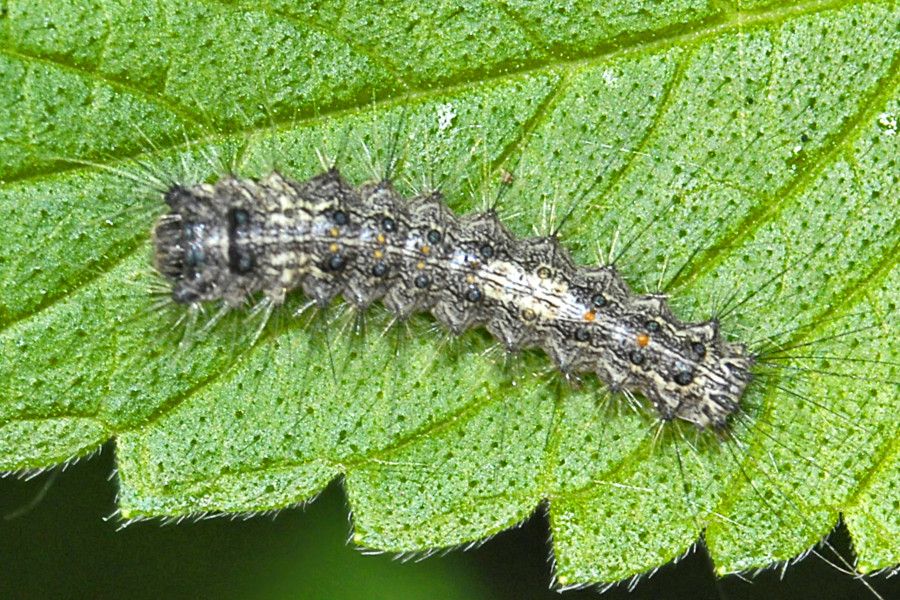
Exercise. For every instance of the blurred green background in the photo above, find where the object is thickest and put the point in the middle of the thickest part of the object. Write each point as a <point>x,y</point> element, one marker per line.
<point>56,541</point>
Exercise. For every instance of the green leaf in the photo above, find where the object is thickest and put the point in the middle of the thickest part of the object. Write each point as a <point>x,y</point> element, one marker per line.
<point>746,155</point>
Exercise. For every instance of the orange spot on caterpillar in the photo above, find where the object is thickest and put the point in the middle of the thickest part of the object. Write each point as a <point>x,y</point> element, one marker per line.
<point>590,316</point>
<point>643,339</point>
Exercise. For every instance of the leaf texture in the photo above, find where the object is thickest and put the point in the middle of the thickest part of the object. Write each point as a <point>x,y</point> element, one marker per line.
<point>744,156</point>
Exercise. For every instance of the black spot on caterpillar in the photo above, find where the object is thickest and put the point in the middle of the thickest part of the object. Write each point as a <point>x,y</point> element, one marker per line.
<point>231,240</point>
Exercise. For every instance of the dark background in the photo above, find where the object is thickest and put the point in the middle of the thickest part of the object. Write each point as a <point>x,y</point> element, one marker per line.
<point>57,542</point>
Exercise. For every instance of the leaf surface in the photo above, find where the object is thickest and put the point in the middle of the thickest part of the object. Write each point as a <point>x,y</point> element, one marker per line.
<point>745,154</point>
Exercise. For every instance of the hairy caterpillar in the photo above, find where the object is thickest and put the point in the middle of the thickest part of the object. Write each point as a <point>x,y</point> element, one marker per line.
<point>228,241</point>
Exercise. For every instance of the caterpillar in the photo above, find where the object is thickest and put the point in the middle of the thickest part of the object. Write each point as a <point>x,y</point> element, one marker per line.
<point>777,124</point>
<point>231,240</point>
